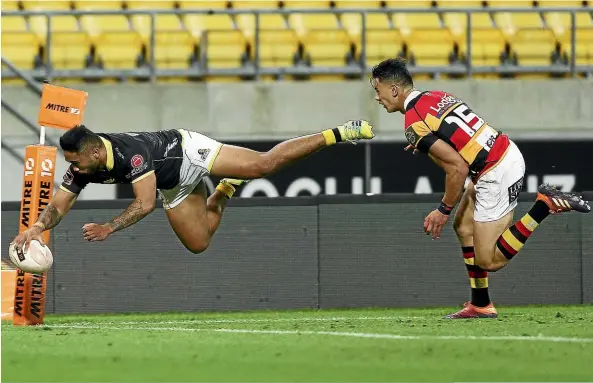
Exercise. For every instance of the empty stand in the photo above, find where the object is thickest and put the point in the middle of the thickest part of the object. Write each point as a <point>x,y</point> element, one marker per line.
<point>173,49</point>
<point>277,48</point>
<point>327,48</point>
<point>20,47</point>
<point>224,48</point>
<point>69,49</point>
<point>119,49</point>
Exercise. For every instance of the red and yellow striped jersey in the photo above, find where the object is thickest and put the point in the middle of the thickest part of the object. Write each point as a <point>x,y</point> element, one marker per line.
<point>437,115</point>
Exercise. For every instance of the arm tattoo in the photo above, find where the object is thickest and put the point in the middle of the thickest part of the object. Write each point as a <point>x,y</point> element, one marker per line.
<point>49,217</point>
<point>134,213</point>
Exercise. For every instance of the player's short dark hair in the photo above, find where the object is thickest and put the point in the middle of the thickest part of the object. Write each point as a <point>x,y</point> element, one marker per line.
<point>394,71</point>
<point>79,139</point>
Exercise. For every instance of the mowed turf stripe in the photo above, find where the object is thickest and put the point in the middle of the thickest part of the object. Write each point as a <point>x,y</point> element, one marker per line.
<point>334,333</point>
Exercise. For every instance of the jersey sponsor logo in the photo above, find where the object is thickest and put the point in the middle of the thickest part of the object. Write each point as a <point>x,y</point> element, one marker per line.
<point>515,190</point>
<point>62,108</point>
<point>68,177</point>
<point>137,161</point>
<point>442,106</point>
<point>170,146</point>
<point>119,153</point>
<point>203,153</point>
<point>137,170</point>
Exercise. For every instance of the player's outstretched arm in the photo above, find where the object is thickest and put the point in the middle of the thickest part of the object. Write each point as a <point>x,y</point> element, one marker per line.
<point>144,204</point>
<point>50,217</point>
<point>457,170</point>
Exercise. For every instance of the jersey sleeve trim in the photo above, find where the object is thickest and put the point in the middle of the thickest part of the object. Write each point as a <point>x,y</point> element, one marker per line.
<point>213,158</point>
<point>426,142</point>
<point>66,190</point>
<point>143,176</point>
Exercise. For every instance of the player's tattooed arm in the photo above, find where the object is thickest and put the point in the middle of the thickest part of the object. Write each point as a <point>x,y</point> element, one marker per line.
<point>53,213</point>
<point>49,218</point>
<point>134,213</point>
<point>145,191</point>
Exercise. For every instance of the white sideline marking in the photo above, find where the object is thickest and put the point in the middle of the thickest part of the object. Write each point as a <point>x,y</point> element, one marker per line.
<point>334,333</point>
<point>260,320</point>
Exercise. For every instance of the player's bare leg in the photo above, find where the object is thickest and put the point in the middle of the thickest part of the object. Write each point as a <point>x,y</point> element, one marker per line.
<point>197,218</point>
<point>496,243</point>
<point>238,163</point>
<point>463,224</point>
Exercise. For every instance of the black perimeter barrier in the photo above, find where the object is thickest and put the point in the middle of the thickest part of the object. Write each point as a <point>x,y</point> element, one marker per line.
<point>306,252</point>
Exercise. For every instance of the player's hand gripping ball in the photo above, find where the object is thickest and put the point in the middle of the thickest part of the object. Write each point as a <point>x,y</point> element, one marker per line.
<point>36,259</point>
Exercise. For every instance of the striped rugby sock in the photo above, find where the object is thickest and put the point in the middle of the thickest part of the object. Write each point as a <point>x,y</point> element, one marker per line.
<point>478,278</point>
<point>513,239</point>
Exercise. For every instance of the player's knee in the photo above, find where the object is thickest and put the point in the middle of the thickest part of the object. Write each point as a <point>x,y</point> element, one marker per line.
<point>487,264</point>
<point>462,231</point>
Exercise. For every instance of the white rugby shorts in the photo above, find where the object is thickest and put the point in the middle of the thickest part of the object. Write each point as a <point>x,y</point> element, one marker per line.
<point>199,153</point>
<point>498,189</point>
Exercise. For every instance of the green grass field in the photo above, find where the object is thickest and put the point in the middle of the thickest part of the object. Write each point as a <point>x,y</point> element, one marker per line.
<point>525,344</point>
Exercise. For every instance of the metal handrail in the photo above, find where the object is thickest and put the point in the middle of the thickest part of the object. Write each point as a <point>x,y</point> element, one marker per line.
<point>258,70</point>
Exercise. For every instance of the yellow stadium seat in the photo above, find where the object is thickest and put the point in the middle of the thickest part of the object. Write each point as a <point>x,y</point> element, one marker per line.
<point>262,4</point>
<point>205,4</point>
<point>381,45</point>
<point>457,22</point>
<point>406,22</point>
<point>560,3</point>
<point>277,48</point>
<point>533,47</point>
<point>246,23</point>
<point>225,49</point>
<point>38,24</point>
<point>97,24</point>
<point>13,24</point>
<point>353,22</point>
<point>327,48</point>
<point>320,4</point>
<point>196,24</point>
<point>302,23</point>
<point>98,5</point>
<point>409,4</point>
<point>150,4</point>
<point>173,49</point>
<point>46,5</point>
<point>459,4</point>
<point>141,23</point>
<point>561,22</point>
<point>69,49</point>
<point>345,4</point>
<point>431,47</point>
<point>510,4</point>
<point>9,5</point>
<point>510,23</point>
<point>119,49</point>
<point>20,48</point>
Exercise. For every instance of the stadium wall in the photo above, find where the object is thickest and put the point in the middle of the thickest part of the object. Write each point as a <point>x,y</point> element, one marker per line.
<point>294,253</point>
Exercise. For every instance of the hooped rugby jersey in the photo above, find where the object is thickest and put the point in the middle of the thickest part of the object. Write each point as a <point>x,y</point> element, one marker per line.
<point>437,115</point>
<point>133,156</point>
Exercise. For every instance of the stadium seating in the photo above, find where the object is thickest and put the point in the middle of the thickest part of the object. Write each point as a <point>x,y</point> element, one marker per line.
<point>326,37</point>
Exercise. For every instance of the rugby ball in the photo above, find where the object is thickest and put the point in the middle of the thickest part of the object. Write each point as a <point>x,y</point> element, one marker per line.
<point>36,260</point>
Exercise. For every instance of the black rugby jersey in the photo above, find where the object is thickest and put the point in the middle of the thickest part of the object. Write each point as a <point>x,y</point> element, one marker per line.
<point>133,156</point>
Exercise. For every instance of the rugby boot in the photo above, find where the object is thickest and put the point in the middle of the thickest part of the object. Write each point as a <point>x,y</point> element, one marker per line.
<point>470,311</point>
<point>559,201</point>
<point>228,186</point>
<point>355,130</point>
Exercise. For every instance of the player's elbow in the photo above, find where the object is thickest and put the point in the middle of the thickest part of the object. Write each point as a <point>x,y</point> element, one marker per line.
<point>262,167</point>
<point>148,206</point>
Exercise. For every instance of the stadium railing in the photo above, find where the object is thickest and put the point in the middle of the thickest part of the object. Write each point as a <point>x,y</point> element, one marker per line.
<point>257,70</point>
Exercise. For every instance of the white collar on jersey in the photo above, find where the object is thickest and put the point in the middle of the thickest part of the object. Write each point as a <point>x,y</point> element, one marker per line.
<point>413,94</point>
<point>109,150</point>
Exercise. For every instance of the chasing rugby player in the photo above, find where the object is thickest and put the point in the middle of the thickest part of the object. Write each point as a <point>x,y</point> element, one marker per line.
<point>463,144</point>
<point>174,162</point>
